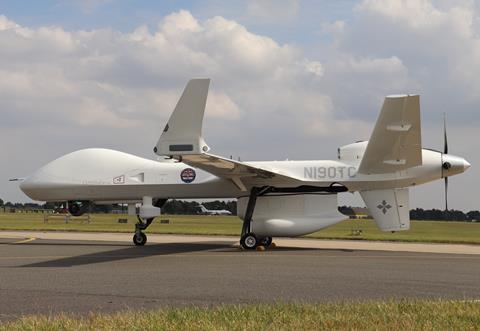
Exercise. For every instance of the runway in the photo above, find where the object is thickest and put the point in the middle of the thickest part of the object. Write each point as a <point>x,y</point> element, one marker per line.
<point>46,275</point>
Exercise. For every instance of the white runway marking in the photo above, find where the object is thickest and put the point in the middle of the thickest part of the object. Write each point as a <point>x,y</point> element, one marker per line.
<point>24,241</point>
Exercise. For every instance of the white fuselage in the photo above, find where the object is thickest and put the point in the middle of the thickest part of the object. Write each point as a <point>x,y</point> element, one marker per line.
<point>102,175</point>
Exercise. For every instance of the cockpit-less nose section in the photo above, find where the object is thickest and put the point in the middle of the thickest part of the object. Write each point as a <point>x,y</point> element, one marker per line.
<point>277,198</point>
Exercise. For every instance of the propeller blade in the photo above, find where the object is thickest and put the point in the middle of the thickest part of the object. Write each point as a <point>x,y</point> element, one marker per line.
<point>445,141</point>
<point>446,193</point>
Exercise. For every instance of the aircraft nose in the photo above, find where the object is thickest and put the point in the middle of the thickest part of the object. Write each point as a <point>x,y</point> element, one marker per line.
<point>466,165</point>
<point>27,186</point>
<point>24,185</point>
<point>36,185</point>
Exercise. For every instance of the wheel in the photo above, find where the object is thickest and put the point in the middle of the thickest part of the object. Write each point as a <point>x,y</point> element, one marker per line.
<point>266,241</point>
<point>249,241</point>
<point>139,239</point>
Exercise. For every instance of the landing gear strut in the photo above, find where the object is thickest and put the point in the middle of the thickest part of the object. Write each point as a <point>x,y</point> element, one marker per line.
<point>140,238</point>
<point>149,210</point>
<point>248,239</point>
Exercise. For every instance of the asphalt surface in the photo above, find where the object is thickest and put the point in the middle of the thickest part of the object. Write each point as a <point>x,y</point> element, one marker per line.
<point>50,276</point>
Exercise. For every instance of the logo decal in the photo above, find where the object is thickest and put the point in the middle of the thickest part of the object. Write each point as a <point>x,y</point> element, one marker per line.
<point>119,180</point>
<point>188,175</point>
<point>384,206</point>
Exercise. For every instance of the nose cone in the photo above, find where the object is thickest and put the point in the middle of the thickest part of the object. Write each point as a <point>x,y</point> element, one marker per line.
<point>25,185</point>
<point>33,186</point>
<point>453,165</point>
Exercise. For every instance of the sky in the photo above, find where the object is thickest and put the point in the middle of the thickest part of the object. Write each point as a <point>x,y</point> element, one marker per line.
<point>290,79</point>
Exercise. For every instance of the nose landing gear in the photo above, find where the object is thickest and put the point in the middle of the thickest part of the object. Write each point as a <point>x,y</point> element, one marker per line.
<point>149,209</point>
<point>140,238</point>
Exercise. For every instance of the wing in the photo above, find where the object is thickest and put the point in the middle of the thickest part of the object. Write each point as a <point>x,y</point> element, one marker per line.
<point>241,173</point>
<point>396,142</point>
<point>389,208</point>
<point>182,139</point>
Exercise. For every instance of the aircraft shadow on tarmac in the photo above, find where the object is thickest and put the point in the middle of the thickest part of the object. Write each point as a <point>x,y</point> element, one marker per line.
<point>133,252</point>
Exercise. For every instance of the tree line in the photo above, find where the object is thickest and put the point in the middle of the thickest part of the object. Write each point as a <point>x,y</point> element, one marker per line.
<point>193,207</point>
<point>170,207</point>
<point>420,214</point>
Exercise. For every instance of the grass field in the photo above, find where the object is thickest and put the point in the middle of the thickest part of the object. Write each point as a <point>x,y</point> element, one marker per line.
<point>399,315</point>
<point>421,231</point>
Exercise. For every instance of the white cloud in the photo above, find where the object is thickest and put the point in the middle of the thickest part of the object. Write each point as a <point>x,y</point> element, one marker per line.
<point>98,77</point>
<point>180,22</point>
<point>6,24</point>
<point>420,14</point>
<point>221,106</point>
<point>315,67</point>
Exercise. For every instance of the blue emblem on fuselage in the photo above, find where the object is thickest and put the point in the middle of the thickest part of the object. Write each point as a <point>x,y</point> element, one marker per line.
<point>188,175</point>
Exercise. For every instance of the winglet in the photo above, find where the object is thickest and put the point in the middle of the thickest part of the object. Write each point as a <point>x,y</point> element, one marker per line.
<point>183,133</point>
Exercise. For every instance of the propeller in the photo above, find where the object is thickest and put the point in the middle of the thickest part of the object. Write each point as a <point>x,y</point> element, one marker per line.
<point>445,140</point>
<point>446,193</point>
<point>446,165</point>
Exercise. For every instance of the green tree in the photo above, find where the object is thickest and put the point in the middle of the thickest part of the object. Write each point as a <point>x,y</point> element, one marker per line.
<point>1,202</point>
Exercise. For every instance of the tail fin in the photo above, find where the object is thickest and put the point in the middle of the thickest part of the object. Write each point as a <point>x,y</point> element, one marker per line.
<point>202,207</point>
<point>396,142</point>
<point>389,208</point>
<point>183,132</point>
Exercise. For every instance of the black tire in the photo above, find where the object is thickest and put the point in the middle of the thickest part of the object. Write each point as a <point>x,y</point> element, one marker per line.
<point>266,241</point>
<point>249,241</point>
<point>139,239</point>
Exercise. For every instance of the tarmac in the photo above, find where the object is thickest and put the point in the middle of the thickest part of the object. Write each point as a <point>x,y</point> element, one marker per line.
<point>51,272</point>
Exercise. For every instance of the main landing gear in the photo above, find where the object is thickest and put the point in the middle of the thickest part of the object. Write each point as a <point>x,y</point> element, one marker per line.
<point>248,239</point>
